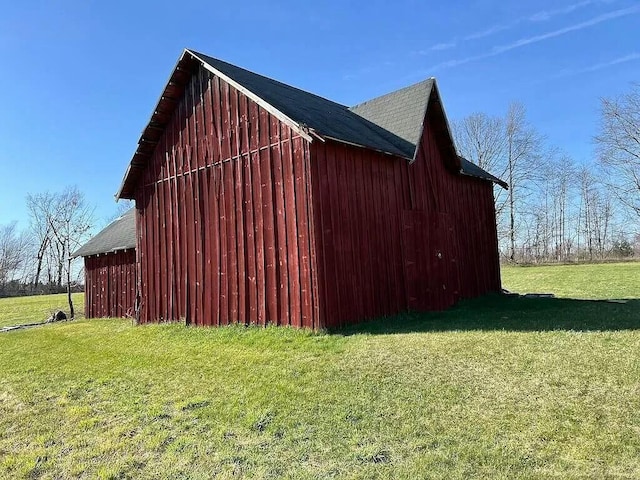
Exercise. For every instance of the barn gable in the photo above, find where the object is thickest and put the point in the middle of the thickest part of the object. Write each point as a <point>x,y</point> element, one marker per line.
<point>307,114</point>
<point>216,243</point>
<point>403,112</point>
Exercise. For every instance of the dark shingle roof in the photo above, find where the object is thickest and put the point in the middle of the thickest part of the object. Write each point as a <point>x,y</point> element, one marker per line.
<point>401,112</point>
<point>472,170</point>
<point>325,117</point>
<point>118,235</point>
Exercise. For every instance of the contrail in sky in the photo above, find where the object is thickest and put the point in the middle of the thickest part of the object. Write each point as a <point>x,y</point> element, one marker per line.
<point>599,66</point>
<point>541,16</point>
<point>540,38</point>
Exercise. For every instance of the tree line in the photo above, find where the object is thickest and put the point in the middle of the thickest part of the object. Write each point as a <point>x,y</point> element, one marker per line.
<point>558,209</point>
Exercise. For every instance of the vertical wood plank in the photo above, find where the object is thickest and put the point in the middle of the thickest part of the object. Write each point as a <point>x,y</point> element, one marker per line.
<point>291,226</point>
<point>281,231</point>
<point>251,302</point>
<point>302,197</point>
<point>268,216</point>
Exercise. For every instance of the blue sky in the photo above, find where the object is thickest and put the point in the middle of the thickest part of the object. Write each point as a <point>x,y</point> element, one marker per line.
<point>80,78</point>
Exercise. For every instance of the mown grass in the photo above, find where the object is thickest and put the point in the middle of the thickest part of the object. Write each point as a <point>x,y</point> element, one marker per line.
<point>37,308</point>
<point>494,388</point>
<point>594,281</point>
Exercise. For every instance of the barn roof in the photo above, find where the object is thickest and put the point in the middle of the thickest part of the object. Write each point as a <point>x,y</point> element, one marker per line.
<point>324,117</point>
<point>401,112</point>
<point>391,123</point>
<point>472,170</point>
<point>118,235</point>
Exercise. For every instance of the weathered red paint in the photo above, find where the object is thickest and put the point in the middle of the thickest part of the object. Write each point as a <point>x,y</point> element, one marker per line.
<point>110,284</point>
<point>242,220</point>
<point>223,215</point>
<point>394,236</point>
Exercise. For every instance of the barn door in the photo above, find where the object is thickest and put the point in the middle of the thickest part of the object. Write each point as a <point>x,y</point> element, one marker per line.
<point>430,260</point>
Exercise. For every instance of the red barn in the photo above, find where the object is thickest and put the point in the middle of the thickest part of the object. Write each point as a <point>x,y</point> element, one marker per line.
<point>261,203</point>
<point>110,269</point>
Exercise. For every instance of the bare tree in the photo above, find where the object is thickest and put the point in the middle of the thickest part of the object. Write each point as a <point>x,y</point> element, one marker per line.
<point>536,235</point>
<point>60,223</point>
<point>619,145</point>
<point>40,208</point>
<point>70,225</point>
<point>541,215</point>
<point>586,207</point>
<point>481,139</point>
<point>561,180</point>
<point>596,214</point>
<point>523,163</point>
<point>510,149</point>
<point>12,251</point>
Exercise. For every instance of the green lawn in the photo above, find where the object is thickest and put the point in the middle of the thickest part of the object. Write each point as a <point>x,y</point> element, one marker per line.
<point>37,308</point>
<point>597,281</point>
<point>494,388</point>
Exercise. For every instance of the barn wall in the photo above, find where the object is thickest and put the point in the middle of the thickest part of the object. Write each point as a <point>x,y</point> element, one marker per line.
<point>224,230</point>
<point>393,236</point>
<point>358,197</point>
<point>110,284</point>
<point>461,225</point>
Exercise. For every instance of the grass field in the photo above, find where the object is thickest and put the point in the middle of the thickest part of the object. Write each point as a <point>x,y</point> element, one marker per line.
<point>494,388</point>
<point>595,281</point>
<point>37,308</point>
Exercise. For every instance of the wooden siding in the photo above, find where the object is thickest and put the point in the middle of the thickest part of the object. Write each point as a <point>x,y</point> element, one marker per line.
<point>393,236</point>
<point>110,285</point>
<point>223,213</point>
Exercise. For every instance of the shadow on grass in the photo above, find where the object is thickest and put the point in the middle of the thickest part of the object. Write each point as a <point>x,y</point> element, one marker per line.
<point>501,312</point>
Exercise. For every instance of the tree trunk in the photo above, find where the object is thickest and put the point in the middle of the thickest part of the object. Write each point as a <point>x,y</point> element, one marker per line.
<point>512,223</point>
<point>71,311</point>
<point>61,266</point>
<point>40,257</point>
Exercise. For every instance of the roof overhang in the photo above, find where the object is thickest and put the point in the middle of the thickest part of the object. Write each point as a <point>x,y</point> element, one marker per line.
<point>345,142</point>
<point>78,253</point>
<point>160,117</point>
<point>470,169</point>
